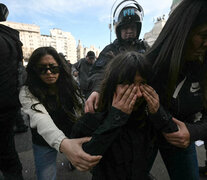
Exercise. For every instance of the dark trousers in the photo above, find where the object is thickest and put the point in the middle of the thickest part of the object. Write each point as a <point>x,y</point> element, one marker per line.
<point>19,118</point>
<point>10,164</point>
<point>205,145</point>
<point>181,163</point>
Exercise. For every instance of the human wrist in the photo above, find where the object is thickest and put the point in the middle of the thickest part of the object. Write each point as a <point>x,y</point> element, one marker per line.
<point>63,144</point>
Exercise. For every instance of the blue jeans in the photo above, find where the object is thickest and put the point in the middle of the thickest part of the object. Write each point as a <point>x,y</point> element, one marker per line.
<point>181,163</point>
<point>45,162</point>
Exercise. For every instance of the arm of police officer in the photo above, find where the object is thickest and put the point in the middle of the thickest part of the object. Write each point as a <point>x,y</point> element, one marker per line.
<point>96,76</point>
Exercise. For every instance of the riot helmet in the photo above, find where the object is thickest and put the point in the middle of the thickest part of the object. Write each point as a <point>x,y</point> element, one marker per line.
<point>3,12</point>
<point>126,12</point>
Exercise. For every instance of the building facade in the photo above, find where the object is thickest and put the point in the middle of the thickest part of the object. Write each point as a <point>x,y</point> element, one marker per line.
<point>62,41</point>
<point>175,4</point>
<point>151,36</point>
<point>82,51</point>
<point>29,36</point>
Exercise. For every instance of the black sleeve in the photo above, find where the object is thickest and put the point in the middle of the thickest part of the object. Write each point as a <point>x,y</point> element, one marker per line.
<point>97,70</point>
<point>103,132</point>
<point>4,53</point>
<point>106,133</point>
<point>8,74</point>
<point>162,121</point>
<point>198,129</point>
<point>86,125</point>
<point>76,66</point>
<point>144,45</point>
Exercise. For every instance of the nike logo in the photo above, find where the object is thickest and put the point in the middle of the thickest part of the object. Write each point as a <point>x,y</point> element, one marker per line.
<point>195,87</point>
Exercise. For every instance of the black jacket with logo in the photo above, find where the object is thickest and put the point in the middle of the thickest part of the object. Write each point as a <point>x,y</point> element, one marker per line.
<point>187,103</point>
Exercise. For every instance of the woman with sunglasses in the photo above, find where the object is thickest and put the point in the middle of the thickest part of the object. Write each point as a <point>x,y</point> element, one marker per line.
<point>53,102</point>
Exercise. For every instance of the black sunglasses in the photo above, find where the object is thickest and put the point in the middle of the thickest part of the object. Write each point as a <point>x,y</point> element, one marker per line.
<point>43,70</point>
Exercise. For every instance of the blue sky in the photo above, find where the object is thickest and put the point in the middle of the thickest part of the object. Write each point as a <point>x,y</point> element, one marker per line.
<point>87,20</point>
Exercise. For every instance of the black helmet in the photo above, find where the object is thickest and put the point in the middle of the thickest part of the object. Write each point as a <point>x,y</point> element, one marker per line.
<point>129,12</point>
<point>3,12</point>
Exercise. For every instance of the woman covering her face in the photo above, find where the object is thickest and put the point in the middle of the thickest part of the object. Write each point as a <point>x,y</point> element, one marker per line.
<point>120,129</point>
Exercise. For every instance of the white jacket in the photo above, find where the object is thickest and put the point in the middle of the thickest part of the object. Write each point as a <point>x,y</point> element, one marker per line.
<point>42,121</point>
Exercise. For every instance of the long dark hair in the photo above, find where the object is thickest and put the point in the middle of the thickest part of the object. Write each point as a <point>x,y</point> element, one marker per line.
<point>121,70</point>
<point>166,54</point>
<point>67,89</point>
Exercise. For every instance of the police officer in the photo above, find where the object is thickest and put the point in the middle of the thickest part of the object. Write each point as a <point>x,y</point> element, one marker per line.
<point>127,21</point>
<point>10,56</point>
